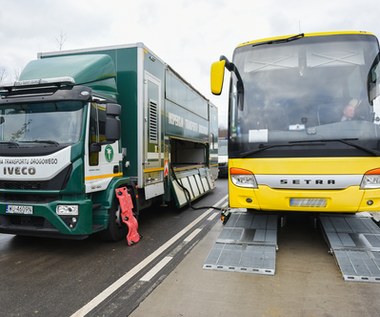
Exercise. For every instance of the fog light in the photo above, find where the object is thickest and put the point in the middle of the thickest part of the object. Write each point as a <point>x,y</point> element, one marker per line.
<point>369,202</point>
<point>67,210</point>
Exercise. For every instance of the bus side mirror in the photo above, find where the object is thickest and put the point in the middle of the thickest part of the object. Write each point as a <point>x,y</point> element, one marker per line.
<point>113,128</point>
<point>217,77</point>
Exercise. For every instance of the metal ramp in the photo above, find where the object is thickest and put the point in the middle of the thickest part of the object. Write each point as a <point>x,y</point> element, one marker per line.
<point>355,242</point>
<point>247,243</point>
<point>196,181</point>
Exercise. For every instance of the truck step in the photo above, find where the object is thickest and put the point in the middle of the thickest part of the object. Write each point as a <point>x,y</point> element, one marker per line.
<point>247,243</point>
<point>354,240</point>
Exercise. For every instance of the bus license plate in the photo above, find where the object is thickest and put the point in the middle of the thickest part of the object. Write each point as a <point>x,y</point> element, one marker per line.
<point>19,210</point>
<point>308,202</point>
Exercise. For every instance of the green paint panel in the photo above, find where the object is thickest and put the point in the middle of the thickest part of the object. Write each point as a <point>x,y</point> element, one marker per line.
<point>94,71</point>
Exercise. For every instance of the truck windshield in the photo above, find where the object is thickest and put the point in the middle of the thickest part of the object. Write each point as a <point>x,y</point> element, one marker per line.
<point>317,88</point>
<point>45,123</point>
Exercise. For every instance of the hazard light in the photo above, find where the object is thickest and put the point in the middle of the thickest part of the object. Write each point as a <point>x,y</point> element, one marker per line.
<point>242,178</point>
<point>371,179</point>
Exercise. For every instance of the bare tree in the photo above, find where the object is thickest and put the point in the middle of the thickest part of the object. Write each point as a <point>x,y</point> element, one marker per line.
<point>16,73</point>
<point>61,39</point>
<point>3,74</point>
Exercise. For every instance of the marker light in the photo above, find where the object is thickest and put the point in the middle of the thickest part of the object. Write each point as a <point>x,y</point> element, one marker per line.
<point>242,178</point>
<point>371,179</point>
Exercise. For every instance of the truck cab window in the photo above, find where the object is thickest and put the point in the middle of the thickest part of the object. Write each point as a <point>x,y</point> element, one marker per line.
<point>97,130</point>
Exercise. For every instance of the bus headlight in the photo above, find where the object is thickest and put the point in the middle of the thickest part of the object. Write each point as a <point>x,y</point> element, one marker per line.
<point>371,179</point>
<point>242,178</point>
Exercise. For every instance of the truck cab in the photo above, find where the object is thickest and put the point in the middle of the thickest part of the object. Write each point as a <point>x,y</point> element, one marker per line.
<point>53,136</point>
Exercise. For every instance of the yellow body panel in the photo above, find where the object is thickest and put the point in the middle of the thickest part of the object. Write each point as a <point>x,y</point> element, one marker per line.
<point>349,200</point>
<point>310,166</point>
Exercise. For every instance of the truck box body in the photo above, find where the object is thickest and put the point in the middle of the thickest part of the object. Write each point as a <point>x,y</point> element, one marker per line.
<point>167,141</point>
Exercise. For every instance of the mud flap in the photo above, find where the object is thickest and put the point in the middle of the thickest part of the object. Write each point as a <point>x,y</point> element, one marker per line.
<point>126,206</point>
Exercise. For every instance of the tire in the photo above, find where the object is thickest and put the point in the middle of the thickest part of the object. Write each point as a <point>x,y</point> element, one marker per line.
<point>117,229</point>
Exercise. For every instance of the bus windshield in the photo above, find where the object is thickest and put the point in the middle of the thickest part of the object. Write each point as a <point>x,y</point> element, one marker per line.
<point>303,96</point>
<point>50,123</point>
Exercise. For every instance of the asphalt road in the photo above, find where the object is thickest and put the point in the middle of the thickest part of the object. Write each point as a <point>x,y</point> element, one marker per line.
<point>307,283</point>
<point>51,277</point>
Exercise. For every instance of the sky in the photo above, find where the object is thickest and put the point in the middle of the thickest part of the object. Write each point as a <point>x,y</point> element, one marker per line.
<point>189,35</point>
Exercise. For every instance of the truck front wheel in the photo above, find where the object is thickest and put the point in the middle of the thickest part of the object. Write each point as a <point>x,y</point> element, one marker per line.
<point>117,229</point>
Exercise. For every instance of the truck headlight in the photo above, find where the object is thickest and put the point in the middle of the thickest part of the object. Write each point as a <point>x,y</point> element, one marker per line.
<point>67,210</point>
<point>242,178</point>
<point>371,179</point>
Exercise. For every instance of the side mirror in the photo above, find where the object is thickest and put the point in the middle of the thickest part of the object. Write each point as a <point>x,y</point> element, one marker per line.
<point>217,77</point>
<point>113,127</point>
<point>113,109</point>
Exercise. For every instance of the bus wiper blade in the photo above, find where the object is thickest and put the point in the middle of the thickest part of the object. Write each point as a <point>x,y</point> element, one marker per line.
<point>285,40</point>
<point>312,142</point>
<point>264,148</point>
<point>344,141</point>
<point>9,143</point>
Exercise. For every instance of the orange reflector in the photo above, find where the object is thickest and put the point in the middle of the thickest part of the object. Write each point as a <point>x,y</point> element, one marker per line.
<point>239,171</point>
<point>375,171</point>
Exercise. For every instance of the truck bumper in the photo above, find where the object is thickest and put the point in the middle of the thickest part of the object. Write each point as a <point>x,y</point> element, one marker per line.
<point>42,219</point>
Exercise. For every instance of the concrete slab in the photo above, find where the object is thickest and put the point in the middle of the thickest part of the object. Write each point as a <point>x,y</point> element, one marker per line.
<point>307,283</point>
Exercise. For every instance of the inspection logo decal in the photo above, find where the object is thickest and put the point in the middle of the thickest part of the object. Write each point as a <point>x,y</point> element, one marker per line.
<point>108,153</point>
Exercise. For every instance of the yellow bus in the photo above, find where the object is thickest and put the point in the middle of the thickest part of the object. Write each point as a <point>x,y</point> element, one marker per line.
<point>304,123</point>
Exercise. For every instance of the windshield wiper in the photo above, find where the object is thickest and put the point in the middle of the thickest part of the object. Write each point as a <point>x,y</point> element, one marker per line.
<point>9,143</point>
<point>311,142</point>
<point>264,148</point>
<point>278,41</point>
<point>344,141</point>
<point>42,141</point>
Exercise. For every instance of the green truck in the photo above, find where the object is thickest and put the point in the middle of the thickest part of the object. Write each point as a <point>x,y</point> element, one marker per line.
<point>79,125</point>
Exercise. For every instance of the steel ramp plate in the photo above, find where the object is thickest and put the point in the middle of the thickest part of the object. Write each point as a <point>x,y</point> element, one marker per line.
<point>247,243</point>
<point>355,242</point>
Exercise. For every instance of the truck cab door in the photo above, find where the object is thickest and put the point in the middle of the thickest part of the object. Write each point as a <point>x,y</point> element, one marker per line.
<point>152,153</point>
<point>103,159</point>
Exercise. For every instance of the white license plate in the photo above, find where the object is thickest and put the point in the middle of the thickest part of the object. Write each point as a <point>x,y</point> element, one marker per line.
<point>19,210</point>
<point>308,202</point>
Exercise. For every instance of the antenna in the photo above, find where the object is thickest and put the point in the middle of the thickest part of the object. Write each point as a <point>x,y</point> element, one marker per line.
<point>299,26</point>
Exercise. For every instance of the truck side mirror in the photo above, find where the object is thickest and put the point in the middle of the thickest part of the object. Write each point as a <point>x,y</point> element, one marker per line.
<point>217,77</point>
<point>113,127</point>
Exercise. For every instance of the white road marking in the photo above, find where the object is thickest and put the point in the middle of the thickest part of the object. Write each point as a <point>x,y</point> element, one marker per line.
<point>158,267</point>
<point>130,274</point>
<point>212,216</point>
<point>192,235</point>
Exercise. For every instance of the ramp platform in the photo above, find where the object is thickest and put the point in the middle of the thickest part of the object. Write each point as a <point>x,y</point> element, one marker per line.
<point>247,243</point>
<point>355,242</point>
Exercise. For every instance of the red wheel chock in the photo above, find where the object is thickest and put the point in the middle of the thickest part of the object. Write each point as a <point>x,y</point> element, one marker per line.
<point>127,216</point>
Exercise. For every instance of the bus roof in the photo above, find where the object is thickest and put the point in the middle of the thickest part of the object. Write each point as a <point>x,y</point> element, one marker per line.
<point>305,35</point>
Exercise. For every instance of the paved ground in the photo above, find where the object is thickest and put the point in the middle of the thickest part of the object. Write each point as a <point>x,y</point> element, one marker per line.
<point>307,283</point>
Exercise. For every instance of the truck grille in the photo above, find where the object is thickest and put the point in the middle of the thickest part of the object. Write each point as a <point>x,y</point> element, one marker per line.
<point>57,183</point>
<point>21,185</point>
